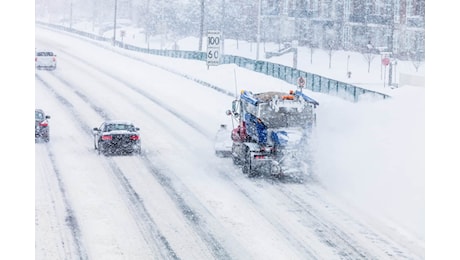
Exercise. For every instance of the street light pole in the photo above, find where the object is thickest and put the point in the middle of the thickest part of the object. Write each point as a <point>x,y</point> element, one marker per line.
<point>222,28</point>
<point>115,24</point>
<point>258,28</point>
<point>200,42</point>
<point>348,63</point>
<point>71,11</point>
<point>392,28</point>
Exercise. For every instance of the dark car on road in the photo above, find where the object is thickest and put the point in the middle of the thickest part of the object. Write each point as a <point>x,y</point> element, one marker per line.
<point>42,128</point>
<point>117,137</point>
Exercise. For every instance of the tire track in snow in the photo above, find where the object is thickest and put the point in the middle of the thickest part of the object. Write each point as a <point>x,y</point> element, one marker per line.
<point>147,226</point>
<point>331,233</point>
<point>192,215</point>
<point>186,210</point>
<point>351,251</point>
<point>70,218</point>
<point>338,240</point>
<point>216,247</point>
<point>137,205</point>
<point>213,244</point>
<point>170,190</point>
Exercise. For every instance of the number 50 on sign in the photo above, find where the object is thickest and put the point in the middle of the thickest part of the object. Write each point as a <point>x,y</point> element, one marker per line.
<point>213,50</point>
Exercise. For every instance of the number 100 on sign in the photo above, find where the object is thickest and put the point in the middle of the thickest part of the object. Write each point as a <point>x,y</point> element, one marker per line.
<point>213,50</point>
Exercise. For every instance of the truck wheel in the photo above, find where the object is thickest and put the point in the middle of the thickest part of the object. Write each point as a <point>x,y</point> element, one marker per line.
<point>236,160</point>
<point>246,168</point>
<point>252,174</point>
<point>236,156</point>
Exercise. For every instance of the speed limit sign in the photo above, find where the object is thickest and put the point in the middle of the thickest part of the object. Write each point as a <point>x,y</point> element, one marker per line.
<point>301,82</point>
<point>213,50</point>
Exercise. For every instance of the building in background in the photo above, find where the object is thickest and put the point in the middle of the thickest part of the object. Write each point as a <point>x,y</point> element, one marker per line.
<point>394,26</point>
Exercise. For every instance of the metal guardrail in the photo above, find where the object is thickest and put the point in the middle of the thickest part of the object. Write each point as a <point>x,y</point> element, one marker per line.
<point>313,82</point>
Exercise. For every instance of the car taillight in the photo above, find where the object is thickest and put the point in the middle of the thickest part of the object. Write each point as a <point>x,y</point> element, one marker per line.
<point>35,58</point>
<point>259,157</point>
<point>54,58</point>
<point>44,124</point>
<point>134,137</point>
<point>106,137</point>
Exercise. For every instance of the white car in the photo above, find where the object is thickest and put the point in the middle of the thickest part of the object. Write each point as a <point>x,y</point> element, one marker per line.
<point>45,59</point>
<point>223,142</point>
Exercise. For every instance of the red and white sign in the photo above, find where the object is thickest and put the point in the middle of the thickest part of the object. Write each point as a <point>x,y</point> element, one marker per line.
<point>301,82</point>
<point>386,61</point>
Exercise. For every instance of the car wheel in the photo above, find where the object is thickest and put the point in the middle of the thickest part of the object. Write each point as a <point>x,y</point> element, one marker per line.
<point>99,149</point>
<point>245,169</point>
<point>104,152</point>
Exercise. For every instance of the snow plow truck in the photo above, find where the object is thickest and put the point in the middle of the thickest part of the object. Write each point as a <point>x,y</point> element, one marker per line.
<point>272,132</point>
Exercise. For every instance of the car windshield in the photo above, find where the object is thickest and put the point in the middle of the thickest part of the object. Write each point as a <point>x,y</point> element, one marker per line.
<point>44,53</point>
<point>114,127</point>
<point>39,115</point>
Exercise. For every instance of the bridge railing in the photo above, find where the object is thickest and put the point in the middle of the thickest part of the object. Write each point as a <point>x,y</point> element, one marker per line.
<point>313,82</point>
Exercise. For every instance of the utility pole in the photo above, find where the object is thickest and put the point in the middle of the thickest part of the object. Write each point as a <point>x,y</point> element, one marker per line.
<point>71,11</point>
<point>115,24</point>
<point>390,44</point>
<point>259,7</point>
<point>200,43</point>
<point>222,28</point>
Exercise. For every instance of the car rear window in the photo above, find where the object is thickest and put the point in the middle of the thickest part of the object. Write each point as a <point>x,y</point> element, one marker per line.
<point>113,127</point>
<point>45,53</point>
<point>39,115</point>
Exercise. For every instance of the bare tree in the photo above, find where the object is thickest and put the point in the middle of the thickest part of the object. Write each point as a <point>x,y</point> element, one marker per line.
<point>331,35</point>
<point>147,20</point>
<point>330,49</point>
<point>368,55</point>
<point>416,58</point>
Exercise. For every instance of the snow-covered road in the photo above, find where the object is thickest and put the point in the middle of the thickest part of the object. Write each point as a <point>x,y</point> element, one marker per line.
<point>177,200</point>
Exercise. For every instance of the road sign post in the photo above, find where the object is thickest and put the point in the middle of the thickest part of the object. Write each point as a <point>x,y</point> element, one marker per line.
<point>213,48</point>
<point>300,83</point>
<point>385,62</point>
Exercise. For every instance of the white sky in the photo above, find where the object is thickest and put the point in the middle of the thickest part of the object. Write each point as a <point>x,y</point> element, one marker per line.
<point>400,133</point>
